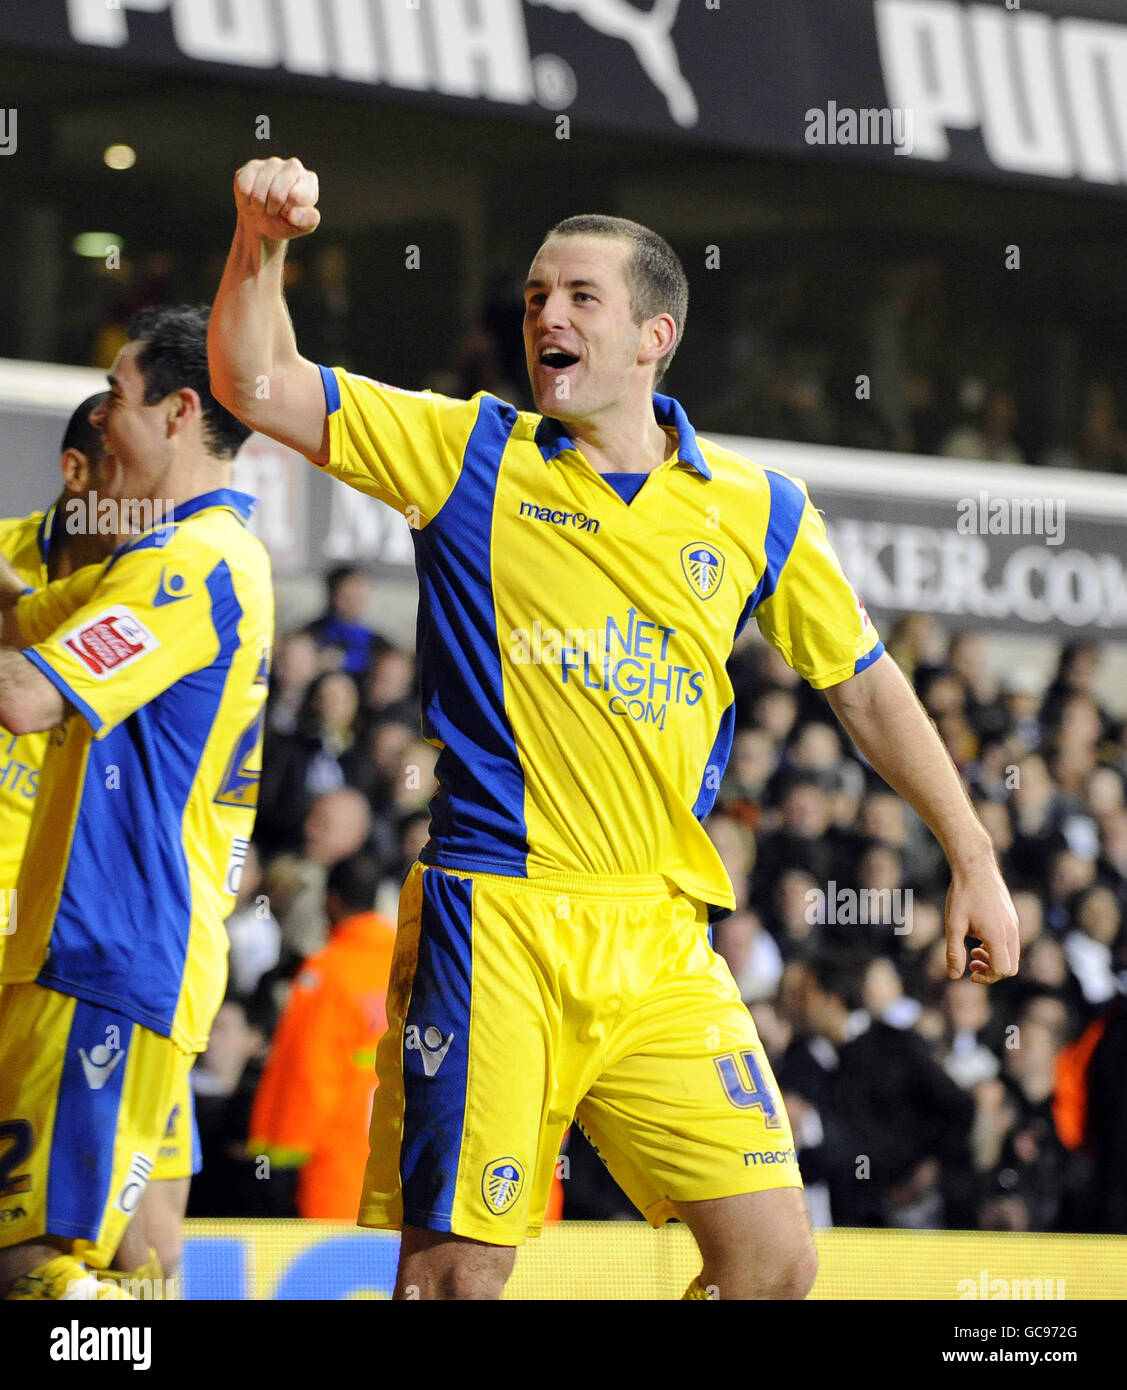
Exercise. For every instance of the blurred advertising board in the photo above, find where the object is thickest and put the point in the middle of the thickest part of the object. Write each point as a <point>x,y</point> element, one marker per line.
<point>1029,92</point>
<point>237,1259</point>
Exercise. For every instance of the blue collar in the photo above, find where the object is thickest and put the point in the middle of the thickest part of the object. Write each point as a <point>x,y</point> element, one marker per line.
<point>45,536</point>
<point>241,503</point>
<point>552,437</point>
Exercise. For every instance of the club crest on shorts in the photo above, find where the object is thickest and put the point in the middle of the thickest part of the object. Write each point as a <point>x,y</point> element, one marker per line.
<point>501,1184</point>
<point>704,568</point>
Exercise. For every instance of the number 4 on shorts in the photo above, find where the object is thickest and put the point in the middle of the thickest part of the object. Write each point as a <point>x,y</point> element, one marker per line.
<point>745,1087</point>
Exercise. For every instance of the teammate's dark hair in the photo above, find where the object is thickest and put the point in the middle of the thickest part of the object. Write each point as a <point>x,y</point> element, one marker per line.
<point>657,280</point>
<point>355,881</point>
<point>80,434</point>
<point>174,355</point>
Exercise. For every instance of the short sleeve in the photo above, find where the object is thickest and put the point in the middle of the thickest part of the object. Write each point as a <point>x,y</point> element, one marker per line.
<point>145,626</point>
<point>404,447</point>
<point>808,609</point>
<point>41,612</point>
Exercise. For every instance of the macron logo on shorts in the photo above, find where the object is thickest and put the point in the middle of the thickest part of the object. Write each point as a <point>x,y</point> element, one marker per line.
<point>110,641</point>
<point>430,1045</point>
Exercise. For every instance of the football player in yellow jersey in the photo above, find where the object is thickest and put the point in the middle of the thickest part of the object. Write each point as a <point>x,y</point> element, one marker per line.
<point>583,572</point>
<point>41,548</point>
<point>150,672</point>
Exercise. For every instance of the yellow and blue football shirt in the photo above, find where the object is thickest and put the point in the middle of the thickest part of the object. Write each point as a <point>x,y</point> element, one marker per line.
<point>147,798</point>
<point>572,647</point>
<point>24,544</point>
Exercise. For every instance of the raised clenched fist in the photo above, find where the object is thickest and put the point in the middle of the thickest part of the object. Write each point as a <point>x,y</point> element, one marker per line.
<point>276,198</point>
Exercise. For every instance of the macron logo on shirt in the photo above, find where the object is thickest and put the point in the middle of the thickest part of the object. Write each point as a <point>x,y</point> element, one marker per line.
<point>112,640</point>
<point>580,520</point>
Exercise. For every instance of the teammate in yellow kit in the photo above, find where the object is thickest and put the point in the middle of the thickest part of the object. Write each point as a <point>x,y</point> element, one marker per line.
<point>583,572</point>
<point>151,672</point>
<point>43,547</point>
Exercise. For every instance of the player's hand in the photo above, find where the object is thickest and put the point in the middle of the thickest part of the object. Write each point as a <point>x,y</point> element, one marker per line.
<point>979,905</point>
<point>11,585</point>
<point>277,198</point>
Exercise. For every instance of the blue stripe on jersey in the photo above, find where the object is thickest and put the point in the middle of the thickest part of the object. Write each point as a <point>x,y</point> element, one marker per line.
<point>787,504</point>
<point>80,1168</point>
<point>94,720</point>
<point>477,815</point>
<point>717,762</point>
<point>332,389</point>
<point>434,1107</point>
<point>864,662</point>
<point>125,910</point>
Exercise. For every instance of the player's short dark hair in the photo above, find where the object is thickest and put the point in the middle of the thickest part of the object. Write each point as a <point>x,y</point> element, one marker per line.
<point>174,356</point>
<point>355,881</point>
<point>657,280</point>
<point>80,434</point>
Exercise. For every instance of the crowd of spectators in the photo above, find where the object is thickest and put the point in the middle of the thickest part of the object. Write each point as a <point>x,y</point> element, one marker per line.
<point>916,1100</point>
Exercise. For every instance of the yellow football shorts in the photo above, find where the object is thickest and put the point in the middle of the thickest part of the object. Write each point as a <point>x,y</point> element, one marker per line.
<point>85,1096</point>
<point>517,1004</point>
<point>179,1154</point>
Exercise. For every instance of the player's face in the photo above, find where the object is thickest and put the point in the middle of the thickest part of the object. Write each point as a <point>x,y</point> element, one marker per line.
<point>580,339</point>
<point>135,435</point>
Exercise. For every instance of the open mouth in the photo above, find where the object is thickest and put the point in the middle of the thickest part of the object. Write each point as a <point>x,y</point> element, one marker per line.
<point>557,360</point>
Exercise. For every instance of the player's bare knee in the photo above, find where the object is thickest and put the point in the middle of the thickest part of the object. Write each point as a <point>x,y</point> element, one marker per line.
<point>434,1265</point>
<point>473,1284</point>
<point>455,1283</point>
<point>796,1272</point>
<point>170,1251</point>
<point>789,1273</point>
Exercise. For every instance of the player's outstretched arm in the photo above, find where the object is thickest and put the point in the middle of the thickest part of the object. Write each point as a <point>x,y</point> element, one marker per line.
<point>256,369</point>
<point>880,712</point>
